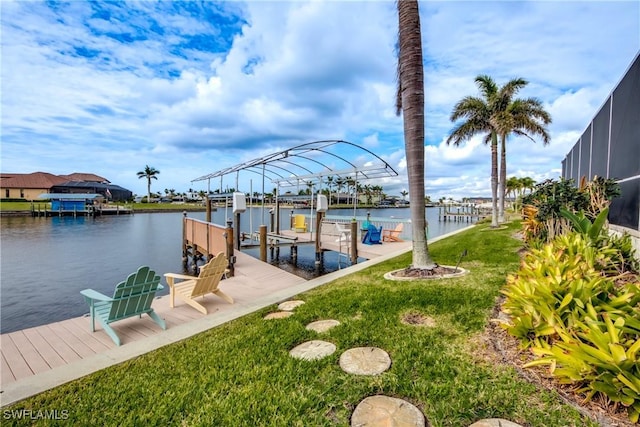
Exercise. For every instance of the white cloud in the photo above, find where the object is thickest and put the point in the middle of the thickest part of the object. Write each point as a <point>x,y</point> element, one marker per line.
<point>191,88</point>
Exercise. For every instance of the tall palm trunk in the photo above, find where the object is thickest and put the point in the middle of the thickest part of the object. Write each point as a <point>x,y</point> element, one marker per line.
<point>503,178</point>
<point>494,179</point>
<point>411,101</point>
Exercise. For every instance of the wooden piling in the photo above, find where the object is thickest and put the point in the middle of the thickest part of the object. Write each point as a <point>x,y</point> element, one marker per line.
<point>263,243</point>
<point>354,242</point>
<point>230,247</point>
<point>318,234</point>
<point>185,245</point>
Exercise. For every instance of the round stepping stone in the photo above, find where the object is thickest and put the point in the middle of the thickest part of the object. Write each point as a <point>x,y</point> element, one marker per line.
<point>386,411</point>
<point>278,315</point>
<point>365,361</point>
<point>313,350</point>
<point>290,305</point>
<point>322,325</point>
<point>494,422</point>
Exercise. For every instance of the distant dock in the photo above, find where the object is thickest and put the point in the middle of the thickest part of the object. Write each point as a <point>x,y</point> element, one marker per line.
<point>38,211</point>
<point>461,213</point>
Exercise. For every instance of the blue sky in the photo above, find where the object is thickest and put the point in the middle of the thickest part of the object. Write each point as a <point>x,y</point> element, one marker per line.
<point>193,87</point>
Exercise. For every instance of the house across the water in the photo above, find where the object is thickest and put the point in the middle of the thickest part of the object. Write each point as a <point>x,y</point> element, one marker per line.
<point>28,187</point>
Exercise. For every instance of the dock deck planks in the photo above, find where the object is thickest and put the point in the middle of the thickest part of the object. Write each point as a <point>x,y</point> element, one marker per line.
<point>35,350</point>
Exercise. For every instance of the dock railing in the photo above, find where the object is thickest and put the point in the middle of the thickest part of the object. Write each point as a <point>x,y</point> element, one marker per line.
<point>208,239</point>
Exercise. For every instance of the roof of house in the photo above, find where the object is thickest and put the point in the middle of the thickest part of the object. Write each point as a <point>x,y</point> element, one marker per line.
<point>44,180</point>
<point>86,177</point>
<point>88,185</point>
<point>65,196</point>
<point>30,180</point>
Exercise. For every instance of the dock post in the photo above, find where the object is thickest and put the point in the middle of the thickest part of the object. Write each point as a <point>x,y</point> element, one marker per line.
<point>263,243</point>
<point>230,257</point>
<point>354,241</point>
<point>237,230</point>
<point>208,205</point>
<point>271,220</point>
<point>318,234</point>
<point>185,248</point>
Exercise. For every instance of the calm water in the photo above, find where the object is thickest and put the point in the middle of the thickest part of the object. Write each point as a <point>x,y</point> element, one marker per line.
<point>46,262</point>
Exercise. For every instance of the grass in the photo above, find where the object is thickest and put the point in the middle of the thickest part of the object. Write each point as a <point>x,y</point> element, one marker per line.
<point>240,374</point>
<point>17,206</point>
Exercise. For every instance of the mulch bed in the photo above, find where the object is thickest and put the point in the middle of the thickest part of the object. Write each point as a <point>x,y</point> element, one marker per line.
<point>421,272</point>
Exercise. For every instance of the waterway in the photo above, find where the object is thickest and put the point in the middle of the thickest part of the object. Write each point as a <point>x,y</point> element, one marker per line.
<point>46,262</point>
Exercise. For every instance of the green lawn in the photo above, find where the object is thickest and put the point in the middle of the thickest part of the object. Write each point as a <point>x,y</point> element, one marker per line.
<point>240,374</point>
<point>18,206</point>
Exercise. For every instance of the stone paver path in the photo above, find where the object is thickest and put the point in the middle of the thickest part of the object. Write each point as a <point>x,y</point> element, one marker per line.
<point>313,350</point>
<point>365,361</point>
<point>386,411</point>
<point>494,422</point>
<point>322,325</point>
<point>278,315</point>
<point>290,305</point>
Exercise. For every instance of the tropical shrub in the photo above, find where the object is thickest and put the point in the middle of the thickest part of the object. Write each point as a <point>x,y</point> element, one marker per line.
<point>569,305</point>
<point>597,235</point>
<point>628,260</point>
<point>544,205</point>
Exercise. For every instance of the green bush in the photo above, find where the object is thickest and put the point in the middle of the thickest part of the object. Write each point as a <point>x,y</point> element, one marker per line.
<point>13,199</point>
<point>544,220</point>
<point>567,306</point>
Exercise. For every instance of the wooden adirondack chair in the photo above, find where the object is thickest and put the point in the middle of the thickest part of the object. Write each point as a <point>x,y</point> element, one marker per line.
<point>393,235</point>
<point>372,236</point>
<point>133,297</point>
<point>192,287</point>
<point>299,223</point>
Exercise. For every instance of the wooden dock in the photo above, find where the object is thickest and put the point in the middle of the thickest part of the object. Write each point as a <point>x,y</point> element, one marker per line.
<point>330,242</point>
<point>89,211</point>
<point>33,351</point>
<point>467,213</point>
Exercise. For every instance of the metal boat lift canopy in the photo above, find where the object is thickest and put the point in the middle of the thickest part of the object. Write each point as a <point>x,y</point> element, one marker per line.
<point>311,162</point>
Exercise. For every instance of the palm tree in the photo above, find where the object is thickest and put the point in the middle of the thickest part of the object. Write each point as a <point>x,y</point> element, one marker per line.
<point>478,113</point>
<point>351,188</point>
<point>330,185</point>
<point>339,184</point>
<point>404,193</point>
<point>498,115</point>
<point>410,101</point>
<point>513,186</point>
<point>528,183</point>
<point>149,173</point>
<point>524,117</point>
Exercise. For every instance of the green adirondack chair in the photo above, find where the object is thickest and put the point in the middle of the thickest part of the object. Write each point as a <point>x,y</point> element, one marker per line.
<point>133,297</point>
